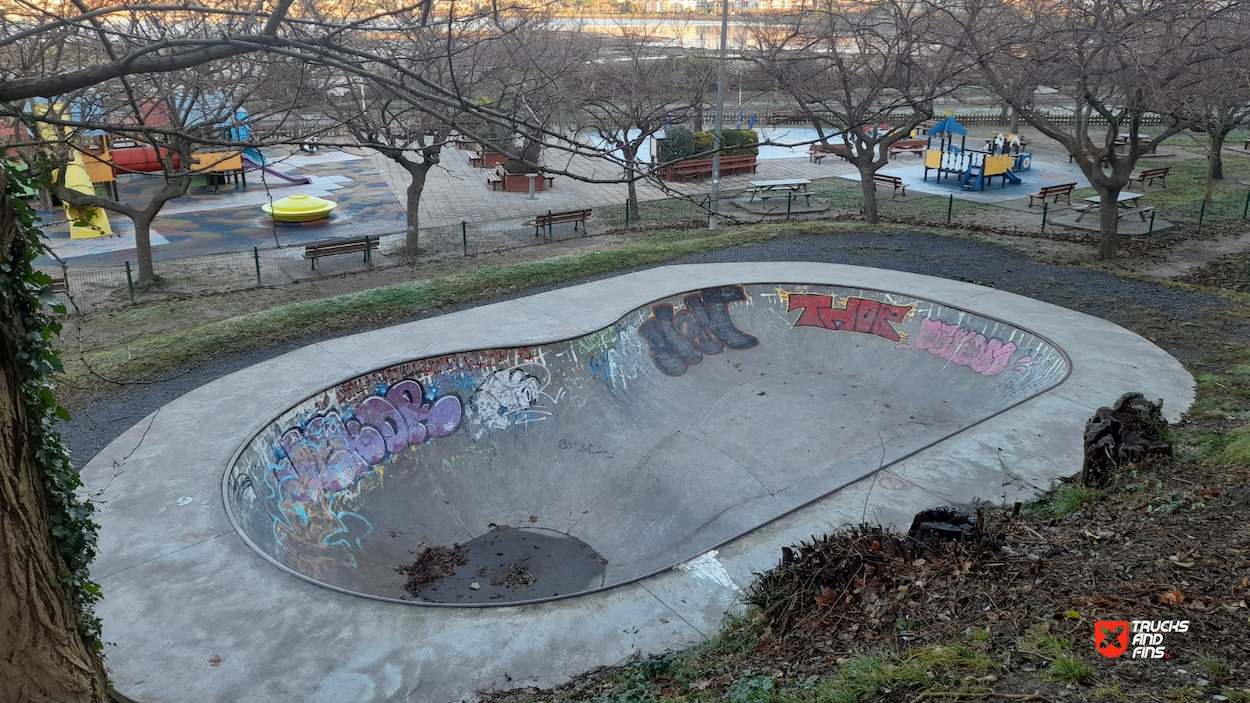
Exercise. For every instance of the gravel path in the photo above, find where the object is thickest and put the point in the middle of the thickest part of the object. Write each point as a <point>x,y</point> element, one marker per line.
<point>1187,325</point>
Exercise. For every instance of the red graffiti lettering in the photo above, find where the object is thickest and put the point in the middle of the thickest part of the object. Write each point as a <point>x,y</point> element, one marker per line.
<point>854,315</point>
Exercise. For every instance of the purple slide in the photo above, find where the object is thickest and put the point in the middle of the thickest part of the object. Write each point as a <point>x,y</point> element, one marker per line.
<point>297,180</point>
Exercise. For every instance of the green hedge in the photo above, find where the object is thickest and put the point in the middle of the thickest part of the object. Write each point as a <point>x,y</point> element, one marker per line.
<point>683,143</point>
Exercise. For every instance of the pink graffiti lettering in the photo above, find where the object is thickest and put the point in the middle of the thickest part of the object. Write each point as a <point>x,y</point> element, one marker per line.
<point>964,347</point>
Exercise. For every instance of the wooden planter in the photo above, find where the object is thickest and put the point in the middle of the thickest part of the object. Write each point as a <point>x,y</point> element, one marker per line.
<point>698,169</point>
<point>490,158</point>
<point>519,182</point>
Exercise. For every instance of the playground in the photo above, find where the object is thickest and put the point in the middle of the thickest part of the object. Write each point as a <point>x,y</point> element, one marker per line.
<point>230,218</point>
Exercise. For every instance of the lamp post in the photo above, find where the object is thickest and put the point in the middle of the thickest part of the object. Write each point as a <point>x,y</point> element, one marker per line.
<point>720,117</point>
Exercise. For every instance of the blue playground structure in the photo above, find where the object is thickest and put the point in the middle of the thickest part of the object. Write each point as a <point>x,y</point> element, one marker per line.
<point>974,168</point>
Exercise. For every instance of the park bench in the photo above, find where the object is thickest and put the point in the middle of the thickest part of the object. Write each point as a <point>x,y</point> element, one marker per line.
<point>1139,211</point>
<point>915,146</point>
<point>1064,190</point>
<point>494,180</point>
<point>817,152</point>
<point>554,218</point>
<point>475,159</point>
<point>894,181</point>
<point>59,285</point>
<point>1149,175</point>
<point>330,247</point>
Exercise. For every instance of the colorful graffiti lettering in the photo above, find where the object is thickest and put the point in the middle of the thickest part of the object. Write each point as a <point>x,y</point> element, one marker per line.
<point>452,364</point>
<point>329,453</point>
<point>678,339</point>
<point>853,315</point>
<point>602,339</point>
<point>317,525</point>
<point>511,397</point>
<point>964,347</point>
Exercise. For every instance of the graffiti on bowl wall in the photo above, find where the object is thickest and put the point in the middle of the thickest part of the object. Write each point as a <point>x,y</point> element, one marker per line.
<point>851,314</point>
<point>678,339</point>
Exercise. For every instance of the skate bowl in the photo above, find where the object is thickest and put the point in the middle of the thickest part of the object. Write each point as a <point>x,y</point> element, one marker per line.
<point>516,475</point>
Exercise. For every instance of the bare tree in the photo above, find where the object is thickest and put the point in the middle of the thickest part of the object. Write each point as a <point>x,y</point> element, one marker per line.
<point>1118,66</point>
<point>851,66</point>
<point>1219,101</point>
<point>640,84</point>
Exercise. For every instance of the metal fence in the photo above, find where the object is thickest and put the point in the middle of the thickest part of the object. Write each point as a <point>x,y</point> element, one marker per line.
<point>87,289</point>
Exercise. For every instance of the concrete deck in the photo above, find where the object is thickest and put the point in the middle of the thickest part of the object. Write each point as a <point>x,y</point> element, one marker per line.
<point>182,589</point>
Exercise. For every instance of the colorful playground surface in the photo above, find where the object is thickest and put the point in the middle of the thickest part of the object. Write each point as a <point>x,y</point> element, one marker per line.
<point>1042,173</point>
<point>204,222</point>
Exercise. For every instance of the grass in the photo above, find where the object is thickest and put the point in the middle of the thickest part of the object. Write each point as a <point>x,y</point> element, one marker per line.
<point>152,355</point>
<point>1067,500</point>
<point>1214,666</point>
<point>1070,670</point>
<point>718,671</point>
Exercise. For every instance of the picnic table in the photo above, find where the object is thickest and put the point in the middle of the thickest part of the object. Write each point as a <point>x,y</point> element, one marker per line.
<point>789,187</point>
<point>1126,201</point>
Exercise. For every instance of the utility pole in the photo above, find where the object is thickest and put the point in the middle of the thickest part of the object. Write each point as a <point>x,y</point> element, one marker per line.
<point>714,216</point>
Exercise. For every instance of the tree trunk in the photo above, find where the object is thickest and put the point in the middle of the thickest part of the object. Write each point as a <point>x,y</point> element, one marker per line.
<point>1217,158</point>
<point>42,655</point>
<point>1108,222</point>
<point>870,194</point>
<point>631,157</point>
<point>418,172</point>
<point>1015,121</point>
<point>143,252</point>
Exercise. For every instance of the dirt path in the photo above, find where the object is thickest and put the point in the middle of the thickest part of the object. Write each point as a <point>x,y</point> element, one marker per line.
<point>1185,257</point>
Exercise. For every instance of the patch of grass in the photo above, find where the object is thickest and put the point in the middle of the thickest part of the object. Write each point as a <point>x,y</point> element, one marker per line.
<point>153,355</point>
<point>1237,451</point>
<point>1215,666</point>
<point>1114,692</point>
<point>1067,500</point>
<point>1070,670</point>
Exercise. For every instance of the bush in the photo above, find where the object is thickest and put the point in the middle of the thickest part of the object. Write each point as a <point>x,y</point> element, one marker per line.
<point>684,143</point>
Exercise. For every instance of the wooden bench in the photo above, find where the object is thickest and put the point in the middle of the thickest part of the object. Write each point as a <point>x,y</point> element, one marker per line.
<point>59,285</point>
<point>894,181</point>
<point>1149,176</point>
<point>494,180</point>
<point>817,152</point>
<point>1139,211</point>
<point>475,159</point>
<point>1064,189</point>
<point>330,247</point>
<point>554,218</point>
<point>915,146</point>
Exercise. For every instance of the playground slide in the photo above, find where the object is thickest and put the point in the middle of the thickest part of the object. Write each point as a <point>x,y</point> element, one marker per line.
<point>297,180</point>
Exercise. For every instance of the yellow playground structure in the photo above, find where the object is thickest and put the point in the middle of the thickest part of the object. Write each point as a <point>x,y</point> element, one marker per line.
<point>973,168</point>
<point>85,222</point>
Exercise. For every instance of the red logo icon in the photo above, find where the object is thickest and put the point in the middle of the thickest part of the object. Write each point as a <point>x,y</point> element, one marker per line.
<point>1111,637</point>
